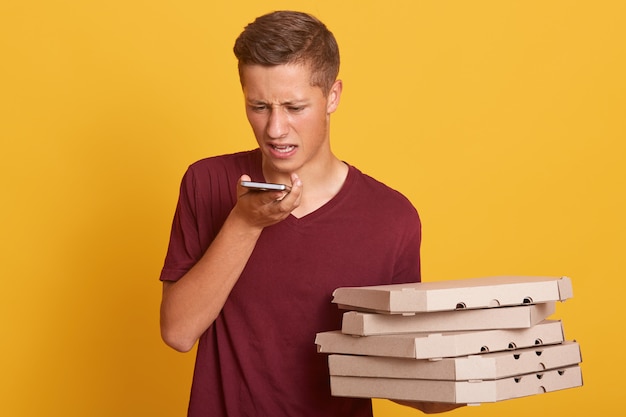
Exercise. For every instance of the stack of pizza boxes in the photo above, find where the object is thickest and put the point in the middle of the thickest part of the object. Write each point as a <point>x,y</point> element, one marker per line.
<point>466,341</point>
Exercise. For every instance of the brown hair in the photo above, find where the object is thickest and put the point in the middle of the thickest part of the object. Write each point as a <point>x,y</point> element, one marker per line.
<point>288,37</point>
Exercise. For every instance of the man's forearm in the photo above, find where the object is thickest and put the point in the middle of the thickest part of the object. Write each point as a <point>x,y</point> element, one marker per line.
<point>190,305</point>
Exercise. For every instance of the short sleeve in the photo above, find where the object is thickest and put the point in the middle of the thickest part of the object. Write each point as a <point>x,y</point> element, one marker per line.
<point>184,246</point>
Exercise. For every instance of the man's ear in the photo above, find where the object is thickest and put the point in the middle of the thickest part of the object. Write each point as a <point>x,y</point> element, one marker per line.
<point>332,102</point>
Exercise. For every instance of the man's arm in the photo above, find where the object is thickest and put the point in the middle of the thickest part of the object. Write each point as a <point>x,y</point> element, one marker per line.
<point>191,304</point>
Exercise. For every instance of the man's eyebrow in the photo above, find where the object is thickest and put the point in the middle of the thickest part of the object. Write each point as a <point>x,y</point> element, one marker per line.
<point>293,103</point>
<point>282,103</point>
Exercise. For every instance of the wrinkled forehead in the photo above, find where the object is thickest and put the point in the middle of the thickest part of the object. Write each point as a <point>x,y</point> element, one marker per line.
<point>278,83</point>
<point>303,68</point>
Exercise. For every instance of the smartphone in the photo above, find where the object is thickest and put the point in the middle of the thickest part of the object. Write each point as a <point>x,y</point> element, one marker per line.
<point>264,186</point>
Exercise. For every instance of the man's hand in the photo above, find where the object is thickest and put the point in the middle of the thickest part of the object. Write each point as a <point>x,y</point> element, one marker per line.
<point>265,208</point>
<point>430,407</point>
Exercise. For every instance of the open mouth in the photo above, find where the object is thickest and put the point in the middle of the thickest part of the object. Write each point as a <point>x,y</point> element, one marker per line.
<point>283,148</point>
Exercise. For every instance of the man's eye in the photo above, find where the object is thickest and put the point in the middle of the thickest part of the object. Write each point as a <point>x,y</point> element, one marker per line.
<point>259,108</point>
<point>295,109</point>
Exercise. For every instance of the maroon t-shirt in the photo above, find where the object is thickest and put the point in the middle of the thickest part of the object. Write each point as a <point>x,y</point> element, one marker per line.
<point>259,357</point>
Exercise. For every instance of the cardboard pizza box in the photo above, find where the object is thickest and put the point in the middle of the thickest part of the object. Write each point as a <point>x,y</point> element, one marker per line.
<point>487,366</point>
<point>454,295</point>
<point>366,324</point>
<point>459,392</point>
<point>441,345</point>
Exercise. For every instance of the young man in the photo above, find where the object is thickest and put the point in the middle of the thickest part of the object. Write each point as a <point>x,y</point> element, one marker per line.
<point>249,274</point>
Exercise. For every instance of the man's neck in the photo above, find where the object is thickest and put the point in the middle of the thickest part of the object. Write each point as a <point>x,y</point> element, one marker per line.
<point>320,186</point>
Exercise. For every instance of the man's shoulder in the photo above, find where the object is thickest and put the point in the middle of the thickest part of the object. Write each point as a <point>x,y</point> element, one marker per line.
<point>376,188</point>
<point>374,200</point>
<point>236,159</point>
<point>221,171</point>
<point>388,213</point>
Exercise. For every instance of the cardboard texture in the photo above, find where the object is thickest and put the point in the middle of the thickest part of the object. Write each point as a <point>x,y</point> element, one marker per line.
<point>366,324</point>
<point>474,367</point>
<point>465,341</point>
<point>460,392</point>
<point>441,345</point>
<point>455,294</point>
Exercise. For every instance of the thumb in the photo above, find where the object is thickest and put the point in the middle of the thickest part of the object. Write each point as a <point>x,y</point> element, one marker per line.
<point>240,189</point>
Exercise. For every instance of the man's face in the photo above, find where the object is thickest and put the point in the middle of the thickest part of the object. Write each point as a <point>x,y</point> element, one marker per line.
<point>289,117</point>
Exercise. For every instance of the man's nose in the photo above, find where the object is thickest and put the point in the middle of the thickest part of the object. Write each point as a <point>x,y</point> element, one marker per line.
<point>277,126</point>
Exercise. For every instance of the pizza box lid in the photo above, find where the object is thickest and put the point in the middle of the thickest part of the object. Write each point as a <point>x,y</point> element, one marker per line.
<point>366,324</point>
<point>495,365</point>
<point>454,294</point>
<point>458,392</point>
<point>440,345</point>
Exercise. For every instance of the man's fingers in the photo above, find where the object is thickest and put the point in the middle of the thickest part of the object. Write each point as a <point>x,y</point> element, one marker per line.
<point>268,207</point>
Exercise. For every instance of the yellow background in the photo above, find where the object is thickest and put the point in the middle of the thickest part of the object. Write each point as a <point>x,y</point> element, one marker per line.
<point>502,121</point>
